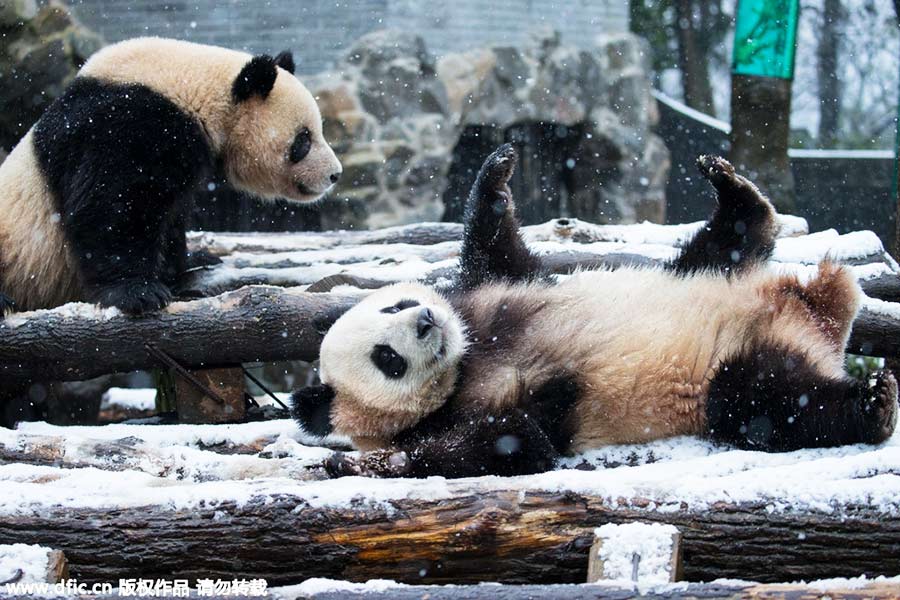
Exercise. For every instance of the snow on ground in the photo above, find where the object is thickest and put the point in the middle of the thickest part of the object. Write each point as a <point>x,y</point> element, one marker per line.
<point>314,586</point>
<point>667,473</point>
<point>31,560</point>
<point>640,552</point>
<point>132,399</point>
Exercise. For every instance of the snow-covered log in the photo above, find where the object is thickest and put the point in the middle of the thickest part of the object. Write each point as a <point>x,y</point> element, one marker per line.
<point>223,244</point>
<point>252,324</point>
<point>190,512</point>
<point>480,532</point>
<point>80,341</point>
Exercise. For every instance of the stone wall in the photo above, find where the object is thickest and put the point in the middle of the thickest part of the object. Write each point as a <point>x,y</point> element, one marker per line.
<point>412,130</point>
<point>41,49</point>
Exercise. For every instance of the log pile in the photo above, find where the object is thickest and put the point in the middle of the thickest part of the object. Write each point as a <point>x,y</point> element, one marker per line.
<point>193,502</point>
<point>259,507</point>
<point>251,320</point>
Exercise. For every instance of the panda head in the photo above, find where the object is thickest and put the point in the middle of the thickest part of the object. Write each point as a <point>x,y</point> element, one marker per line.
<point>274,146</point>
<point>385,364</point>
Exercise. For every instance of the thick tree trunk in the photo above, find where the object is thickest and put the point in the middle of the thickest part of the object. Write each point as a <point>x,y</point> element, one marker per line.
<point>827,73</point>
<point>760,130</point>
<point>691,61</point>
<point>476,534</point>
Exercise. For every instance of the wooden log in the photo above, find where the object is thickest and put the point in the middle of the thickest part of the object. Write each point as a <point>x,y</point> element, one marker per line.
<point>218,280</point>
<point>692,591</point>
<point>477,533</point>
<point>177,462</point>
<point>562,229</point>
<point>684,591</point>
<point>253,324</point>
<point>640,568</point>
<point>80,341</point>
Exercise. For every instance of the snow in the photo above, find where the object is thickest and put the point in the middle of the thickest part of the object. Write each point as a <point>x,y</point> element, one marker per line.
<point>650,544</point>
<point>32,560</point>
<point>132,399</point>
<point>672,474</point>
<point>319,585</point>
<point>888,309</point>
<point>812,248</point>
<point>168,435</point>
<point>383,587</point>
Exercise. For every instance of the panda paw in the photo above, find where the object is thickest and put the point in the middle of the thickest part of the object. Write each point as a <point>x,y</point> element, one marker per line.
<point>377,463</point>
<point>7,305</point>
<point>879,408</point>
<point>493,180</point>
<point>134,297</point>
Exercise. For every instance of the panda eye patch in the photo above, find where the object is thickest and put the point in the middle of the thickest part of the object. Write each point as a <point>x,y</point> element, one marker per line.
<point>300,147</point>
<point>388,362</point>
<point>402,305</point>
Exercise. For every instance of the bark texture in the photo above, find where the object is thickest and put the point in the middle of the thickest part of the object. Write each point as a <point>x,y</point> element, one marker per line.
<point>477,534</point>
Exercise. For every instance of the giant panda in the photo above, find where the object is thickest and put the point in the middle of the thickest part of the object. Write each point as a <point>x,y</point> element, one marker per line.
<point>507,371</point>
<point>93,199</point>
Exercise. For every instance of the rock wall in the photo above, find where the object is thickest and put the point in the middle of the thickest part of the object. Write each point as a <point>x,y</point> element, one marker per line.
<point>40,52</point>
<point>411,130</point>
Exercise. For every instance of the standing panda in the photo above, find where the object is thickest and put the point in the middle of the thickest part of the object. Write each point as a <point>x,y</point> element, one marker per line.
<point>507,371</point>
<point>95,197</point>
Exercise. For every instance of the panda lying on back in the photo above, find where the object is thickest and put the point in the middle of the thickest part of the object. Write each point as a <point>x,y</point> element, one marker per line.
<point>507,371</point>
<point>94,198</point>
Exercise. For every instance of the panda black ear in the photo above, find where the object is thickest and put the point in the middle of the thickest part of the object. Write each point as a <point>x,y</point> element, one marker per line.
<point>311,408</point>
<point>256,79</point>
<point>285,60</point>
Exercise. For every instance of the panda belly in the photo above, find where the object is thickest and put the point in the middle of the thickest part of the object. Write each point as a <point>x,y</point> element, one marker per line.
<point>36,264</point>
<point>644,345</point>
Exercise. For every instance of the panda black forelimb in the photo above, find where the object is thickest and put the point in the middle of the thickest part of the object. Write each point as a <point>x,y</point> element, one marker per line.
<point>505,442</point>
<point>120,160</point>
<point>741,231</point>
<point>773,399</point>
<point>492,246</point>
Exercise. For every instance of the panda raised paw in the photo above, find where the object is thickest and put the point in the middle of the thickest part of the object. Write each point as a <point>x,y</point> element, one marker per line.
<point>134,297</point>
<point>879,407</point>
<point>493,180</point>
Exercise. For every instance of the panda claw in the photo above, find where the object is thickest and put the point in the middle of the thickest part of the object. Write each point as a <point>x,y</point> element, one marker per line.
<point>499,167</point>
<point>717,170</point>
<point>340,465</point>
<point>880,407</point>
<point>134,297</point>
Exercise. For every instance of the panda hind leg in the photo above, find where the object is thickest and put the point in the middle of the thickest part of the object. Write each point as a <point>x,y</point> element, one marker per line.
<point>492,247</point>
<point>772,398</point>
<point>741,231</point>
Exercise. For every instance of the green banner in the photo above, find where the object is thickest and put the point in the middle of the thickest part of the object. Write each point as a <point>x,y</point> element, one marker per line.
<point>765,33</point>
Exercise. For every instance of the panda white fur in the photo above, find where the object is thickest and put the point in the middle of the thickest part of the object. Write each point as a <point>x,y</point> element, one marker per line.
<point>94,198</point>
<point>507,371</point>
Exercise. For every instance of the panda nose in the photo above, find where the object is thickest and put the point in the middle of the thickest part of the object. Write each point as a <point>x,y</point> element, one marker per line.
<point>424,323</point>
<point>335,177</point>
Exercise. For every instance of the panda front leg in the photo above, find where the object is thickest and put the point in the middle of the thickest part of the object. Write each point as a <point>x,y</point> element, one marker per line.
<point>118,241</point>
<point>774,399</point>
<point>741,231</point>
<point>492,247</point>
<point>504,443</point>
